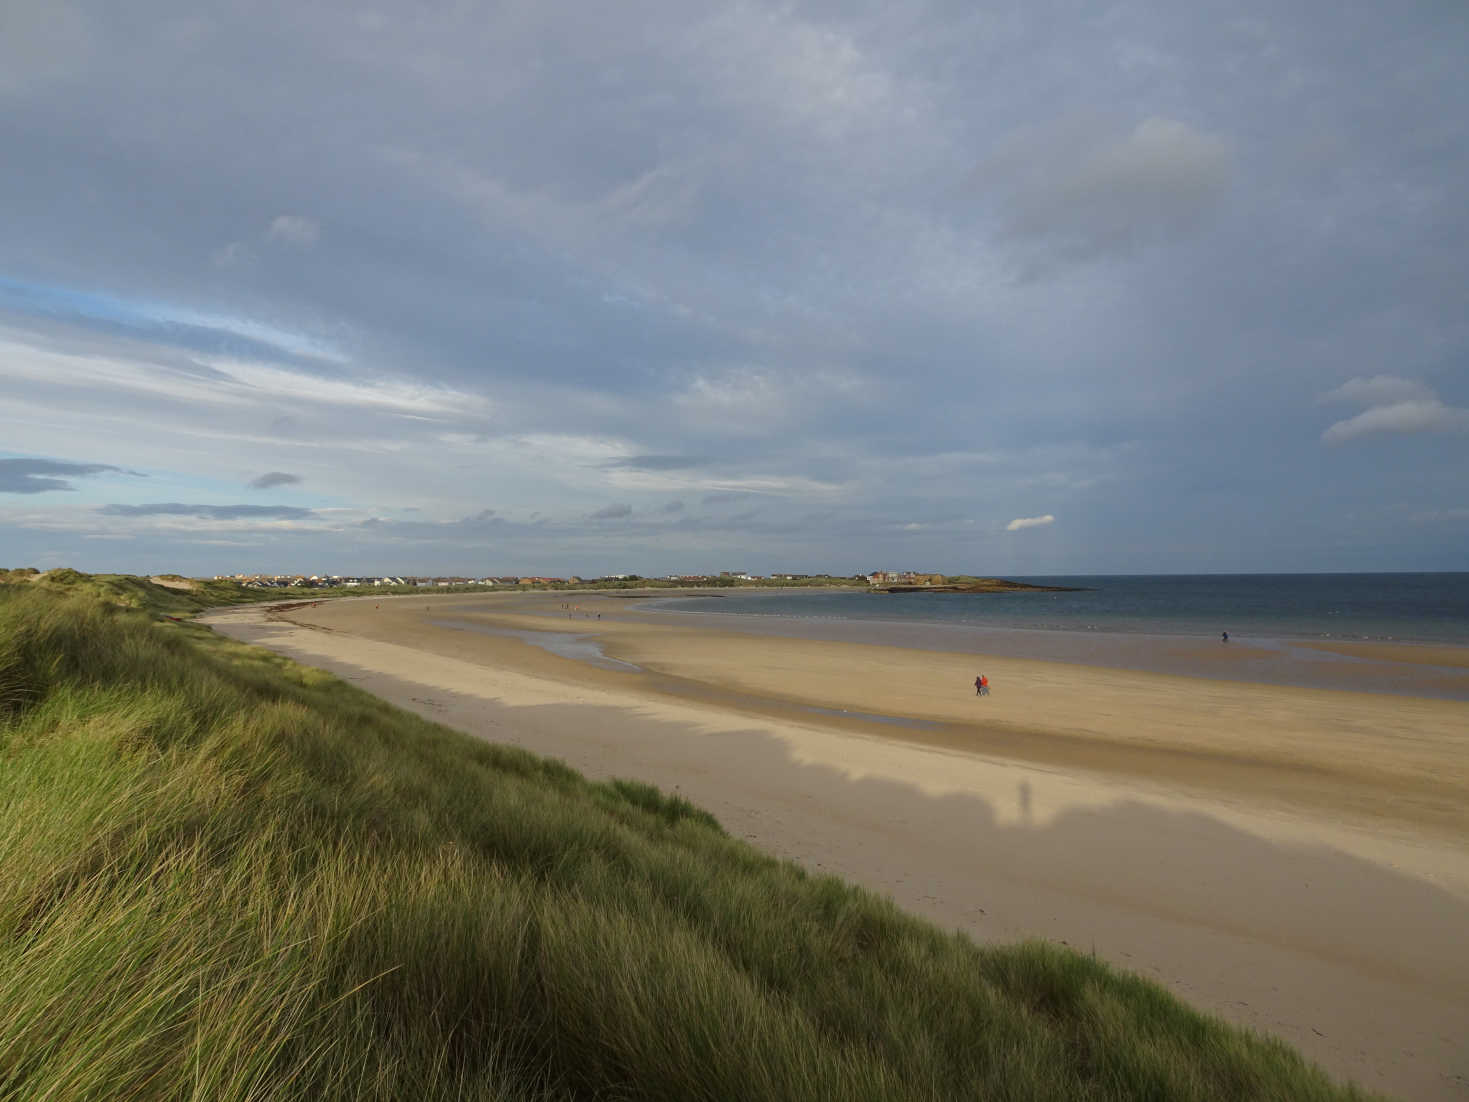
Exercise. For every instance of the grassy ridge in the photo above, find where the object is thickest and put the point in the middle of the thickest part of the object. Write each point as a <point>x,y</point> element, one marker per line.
<point>141,593</point>
<point>228,877</point>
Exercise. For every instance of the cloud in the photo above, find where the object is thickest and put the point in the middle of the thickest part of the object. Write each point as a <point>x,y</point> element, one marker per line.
<point>1395,405</point>
<point>211,512</point>
<point>658,462</point>
<point>236,254</point>
<point>156,374</point>
<point>1433,516</point>
<point>39,476</point>
<point>1072,191</point>
<point>1404,417</point>
<point>784,237</point>
<point>294,229</point>
<point>275,478</point>
<point>44,44</point>
<point>673,507</point>
<point>1379,390</point>
<point>473,528</point>
<point>612,512</point>
<point>1020,523</point>
<point>728,497</point>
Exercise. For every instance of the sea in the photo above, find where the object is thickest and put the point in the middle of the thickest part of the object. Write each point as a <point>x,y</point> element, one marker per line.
<point>1408,608</point>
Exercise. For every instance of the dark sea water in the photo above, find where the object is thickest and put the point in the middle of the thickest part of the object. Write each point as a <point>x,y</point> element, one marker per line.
<point>1421,608</point>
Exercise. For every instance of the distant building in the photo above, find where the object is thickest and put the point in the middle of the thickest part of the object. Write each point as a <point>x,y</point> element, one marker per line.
<point>906,577</point>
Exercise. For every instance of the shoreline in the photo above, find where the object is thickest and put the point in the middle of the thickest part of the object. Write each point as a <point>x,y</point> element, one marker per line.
<point>1296,910</point>
<point>1436,670</point>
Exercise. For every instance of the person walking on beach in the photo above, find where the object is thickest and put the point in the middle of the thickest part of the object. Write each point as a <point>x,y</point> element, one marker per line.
<point>979,685</point>
<point>1224,637</point>
<point>984,685</point>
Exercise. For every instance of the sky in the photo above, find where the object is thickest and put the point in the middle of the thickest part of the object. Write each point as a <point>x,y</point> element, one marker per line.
<point>450,287</point>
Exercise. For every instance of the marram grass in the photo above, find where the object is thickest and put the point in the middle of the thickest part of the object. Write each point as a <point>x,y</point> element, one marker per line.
<point>226,876</point>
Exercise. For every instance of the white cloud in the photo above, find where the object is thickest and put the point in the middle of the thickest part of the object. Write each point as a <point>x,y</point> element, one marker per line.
<point>401,396</point>
<point>1029,522</point>
<point>749,396</point>
<point>1429,416</point>
<point>1380,390</point>
<point>1395,405</point>
<point>295,229</point>
<point>221,382</point>
<point>676,482</point>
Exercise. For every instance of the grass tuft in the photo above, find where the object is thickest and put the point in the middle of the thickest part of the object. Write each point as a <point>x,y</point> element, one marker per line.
<point>229,877</point>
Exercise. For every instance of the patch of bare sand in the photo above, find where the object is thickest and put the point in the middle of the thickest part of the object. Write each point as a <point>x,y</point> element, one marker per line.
<point>1269,909</point>
<point>172,581</point>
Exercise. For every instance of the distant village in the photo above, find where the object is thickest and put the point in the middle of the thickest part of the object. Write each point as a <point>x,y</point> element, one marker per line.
<point>724,577</point>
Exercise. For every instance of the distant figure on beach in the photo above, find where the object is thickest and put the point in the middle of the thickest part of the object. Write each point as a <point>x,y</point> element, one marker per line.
<point>1224,638</point>
<point>981,685</point>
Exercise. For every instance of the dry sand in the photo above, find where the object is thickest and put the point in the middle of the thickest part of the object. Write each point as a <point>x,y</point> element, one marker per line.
<point>1295,860</point>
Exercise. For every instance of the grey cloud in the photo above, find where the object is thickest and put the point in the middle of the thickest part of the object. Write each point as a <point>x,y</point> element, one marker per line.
<point>612,512</point>
<point>274,478</point>
<point>1395,405</point>
<point>727,497</point>
<point>212,512</point>
<point>673,507</point>
<point>233,254</point>
<point>787,229</point>
<point>38,476</point>
<point>473,527</point>
<point>1077,190</point>
<point>658,462</point>
<point>43,44</point>
<point>294,229</point>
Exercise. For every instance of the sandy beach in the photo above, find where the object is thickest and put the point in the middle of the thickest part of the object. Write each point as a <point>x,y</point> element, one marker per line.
<point>1295,859</point>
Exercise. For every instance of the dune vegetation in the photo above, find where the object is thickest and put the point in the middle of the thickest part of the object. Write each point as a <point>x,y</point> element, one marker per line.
<point>227,876</point>
<point>185,598</point>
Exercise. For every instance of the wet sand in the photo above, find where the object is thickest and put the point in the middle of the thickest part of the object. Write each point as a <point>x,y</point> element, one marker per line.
<point>1294,859</point>
<point>1417,654</point>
